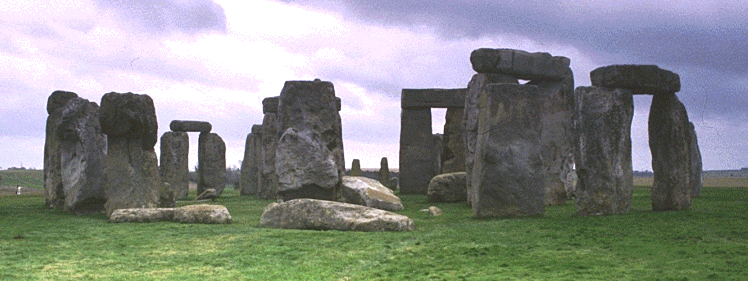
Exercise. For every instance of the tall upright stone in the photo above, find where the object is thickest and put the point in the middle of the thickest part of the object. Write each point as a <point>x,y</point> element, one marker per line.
<point>438,149</point>
<point>250,170</point>
<point>132,177</point>
<point>508,169</point>
<point>696,180</point>
<point>211,163</point>
<point>53,191</point>
<point>268,183</point>
<point>669,141</point>
<point>355,168</point>
<point>83,148</point>
<point>470,117</point>
<point>384,172</point>
<point>603,152</point>
<point>174,167</point>
<point>557,107</point>
<point>310,107</point>
<point>417,151</point>
<point>453,152</point>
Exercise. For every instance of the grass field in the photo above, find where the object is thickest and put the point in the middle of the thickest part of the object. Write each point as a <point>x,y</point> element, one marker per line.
<point>708,242</point>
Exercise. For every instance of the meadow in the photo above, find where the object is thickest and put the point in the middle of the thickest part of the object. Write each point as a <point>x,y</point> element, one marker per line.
<point>708,242</point>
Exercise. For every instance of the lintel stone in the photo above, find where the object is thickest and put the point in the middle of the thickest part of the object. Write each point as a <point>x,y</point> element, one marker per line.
<point>190,126</point>
<point>639,79</point>
<point>432,98</point>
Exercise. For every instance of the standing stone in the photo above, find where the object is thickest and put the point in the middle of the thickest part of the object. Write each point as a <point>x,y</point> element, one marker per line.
<point>355,168</point>
<point>250,173</point>
<point>268,184</point>
<point>190,126</point>
<point>174,168</point>
<point>311,108</point>
<point>211,163</point>
<point>83,149</point>
<point>132,178</point>
<point>603,151</point>
<point>305,167</point>
<point>438,148</point>
<point>557,107</point>
<point>53,191</point>
<point>696,179</point>
<point>453,153</point>
<point>417,151</point>
<point>670,144</point>
<point>508,170</point>
<point>470,117</point>
<point>384,172</point>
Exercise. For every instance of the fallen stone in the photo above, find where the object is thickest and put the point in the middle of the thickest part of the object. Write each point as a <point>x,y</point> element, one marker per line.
<point>53,192</point>
<point>371,193</point>
<point>211,163</point>
<point>305,167</point>
<point>448,188</point>
<point>519,64</point>
<point>669,142</point>
<point>603,151</point>
<point>433,211</point>
<point>355,168</point>
<point>174,168</point>
<point>209,193</point>
<point>328,215</point>
<point>208,214</point>
<point>640,79</point>
<point>83,149</point>
<point>190,126</point>
<point>508,171</point>
<point>142,215</point>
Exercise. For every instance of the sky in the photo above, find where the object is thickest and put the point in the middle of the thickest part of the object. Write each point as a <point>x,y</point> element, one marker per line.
<point>216,61</point>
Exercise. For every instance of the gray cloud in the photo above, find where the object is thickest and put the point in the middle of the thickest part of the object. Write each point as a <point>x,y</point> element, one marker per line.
<point>167,16</point>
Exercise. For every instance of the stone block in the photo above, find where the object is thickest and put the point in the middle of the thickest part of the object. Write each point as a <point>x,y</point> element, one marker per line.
<point>268,185</point>
<point>174,167</point>
<point>603,151</point>
<point>190,126</point>
<point>250,170</point>
<point>53,191</point>
<point>305,167</point>
<point>432,98</point>
<point>270,105</point>
<point>129,116</point>
<point>696,168</point>
<point>211,163</point>
<point>519,64</point>
<point>448,188</point>
<point>453,140</point>
<point>417,151</point>
<point>355,168</point>
<point>669,141</point>
<point>314,214</point>
<point>371,193</point>
<point>640,79</point>
<point>384,172</point>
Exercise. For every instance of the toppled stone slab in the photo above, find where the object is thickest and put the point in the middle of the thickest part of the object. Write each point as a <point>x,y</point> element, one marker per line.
<point>640,79</point>
<point>603,151</point>
<point>519,64</point>
<point>207,214</point>
<point>315,214</point>
<point>209,193</point>
<point>190,126</point>
<point>448,188</point>
<point>432,98</point>
<point>433,211</point>
<point>371,193</point>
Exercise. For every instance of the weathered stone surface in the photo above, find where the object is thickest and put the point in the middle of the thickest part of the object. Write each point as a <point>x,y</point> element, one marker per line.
<point>696,180</point>
<point>208,194</point>
<point>270,105</point>
<point>437,157</point>
<point>211,163</point>
<point>519,64</point>
<point>603,151</point>
<point>305,167</point>
<point>132,176</point>
<point>453,153</point>
<point>174,167</point>
<point>209,214</point>
<point>640,79</point>
<point>508,170</point>
<point>53,192</point>
<point>557,107</point>
<point>448,188</point>
<point>190,126</point>
<point>355,168</point>
<point>129,116</point>
<point>670,145</point>
<point>371,193</point>
<point>327,215</point>
<point>83,149</point>
<point>312,105</point>
<point>470,117</point>
<point>268,184</point>
<point>417,151</point>
<point>250,170</point>
<point>432,98</point>
<point>433,211</point>
<point>384,173</point>
<point>166,197</point>
<point>393,184</point>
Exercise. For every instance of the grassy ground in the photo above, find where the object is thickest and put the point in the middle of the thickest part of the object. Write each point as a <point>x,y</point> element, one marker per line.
<point>708,242</point>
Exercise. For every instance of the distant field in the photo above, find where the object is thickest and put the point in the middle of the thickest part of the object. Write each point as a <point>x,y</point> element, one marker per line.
<point>708,182</point>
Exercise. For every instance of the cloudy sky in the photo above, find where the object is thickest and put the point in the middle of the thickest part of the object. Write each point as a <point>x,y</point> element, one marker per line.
<point>216,60</point>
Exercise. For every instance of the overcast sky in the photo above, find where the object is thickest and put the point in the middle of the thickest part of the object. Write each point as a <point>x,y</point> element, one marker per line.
<point>216,60</point>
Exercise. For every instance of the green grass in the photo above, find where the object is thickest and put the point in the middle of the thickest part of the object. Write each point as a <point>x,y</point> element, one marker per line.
<point>25,178</point>
<point>708,242</point>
